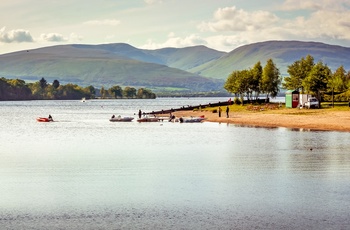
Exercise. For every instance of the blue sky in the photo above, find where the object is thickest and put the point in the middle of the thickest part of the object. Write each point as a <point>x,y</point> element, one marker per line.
<point>151,24</point>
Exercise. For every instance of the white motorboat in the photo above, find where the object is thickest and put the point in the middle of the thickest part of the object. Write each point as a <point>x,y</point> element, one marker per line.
<point>121,119</point>
<point>191,119</point>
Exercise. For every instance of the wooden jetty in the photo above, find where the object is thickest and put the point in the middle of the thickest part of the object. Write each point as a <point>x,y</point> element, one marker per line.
<point>198,107</point>
<point>189,107</point>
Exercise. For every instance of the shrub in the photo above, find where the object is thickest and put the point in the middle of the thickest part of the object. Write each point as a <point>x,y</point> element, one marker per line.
<point>237,101</point>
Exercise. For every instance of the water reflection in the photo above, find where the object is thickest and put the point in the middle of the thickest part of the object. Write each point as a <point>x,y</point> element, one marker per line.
<point>165,176</point>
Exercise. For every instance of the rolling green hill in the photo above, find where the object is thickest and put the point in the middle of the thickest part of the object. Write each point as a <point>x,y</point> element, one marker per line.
<point>193,69</point>
<point>105,65</point>
<point>283,54</point>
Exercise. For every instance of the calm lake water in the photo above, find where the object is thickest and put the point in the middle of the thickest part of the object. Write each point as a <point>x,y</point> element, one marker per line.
<point>84,172</point>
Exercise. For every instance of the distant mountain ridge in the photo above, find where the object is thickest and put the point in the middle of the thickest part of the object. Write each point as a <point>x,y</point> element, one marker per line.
<point>107,65</point>
<point>283,53</point>
<point>196,68</point>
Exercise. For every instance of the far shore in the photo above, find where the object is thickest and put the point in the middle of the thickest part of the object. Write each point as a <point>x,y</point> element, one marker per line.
<point>313,119</point>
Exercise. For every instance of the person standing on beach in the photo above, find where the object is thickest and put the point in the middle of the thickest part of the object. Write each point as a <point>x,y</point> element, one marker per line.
<point>140,113</point>
<point>219,111</point>
<point>227,111</point>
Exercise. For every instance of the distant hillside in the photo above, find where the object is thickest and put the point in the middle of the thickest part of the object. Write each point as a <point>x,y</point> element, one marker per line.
<point>107,65</point>
<point>193,69</point>
<point>283,54</point>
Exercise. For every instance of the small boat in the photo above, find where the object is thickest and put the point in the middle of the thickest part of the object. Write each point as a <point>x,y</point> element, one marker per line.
<point>148,119</point>
<point>83,99</point>
<point>43,119</point>
<point>121,119</point>
<point>191,119</point>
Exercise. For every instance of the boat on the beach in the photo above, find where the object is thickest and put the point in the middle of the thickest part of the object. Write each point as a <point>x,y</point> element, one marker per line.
<point>121,119</point>
<point>191,119</point>
<point>148,119</point>
<point>43,119</point>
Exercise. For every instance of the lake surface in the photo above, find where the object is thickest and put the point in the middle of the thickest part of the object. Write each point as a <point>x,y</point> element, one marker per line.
<point>84,172</point>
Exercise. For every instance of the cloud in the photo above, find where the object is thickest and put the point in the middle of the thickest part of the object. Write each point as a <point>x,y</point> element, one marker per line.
<point>53,37</point>
<point>150,2</point>
<point>301,5</point>
<point>290,5</point>
<point>106,22</point>
<point>173,41</point>
<point>56,37</point>
<point>15,36</point>
<point>322,21</point>
<point>73,37</point>
<point>233,19</point>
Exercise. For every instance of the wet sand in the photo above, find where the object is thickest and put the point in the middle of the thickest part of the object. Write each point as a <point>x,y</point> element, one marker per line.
<point>317,119</point>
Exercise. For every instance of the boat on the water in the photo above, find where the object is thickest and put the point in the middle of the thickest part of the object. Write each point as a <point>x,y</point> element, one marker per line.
<point>43,119</point>
<point>191,119</point>
<point>121,119</point>
<point>148,119</point>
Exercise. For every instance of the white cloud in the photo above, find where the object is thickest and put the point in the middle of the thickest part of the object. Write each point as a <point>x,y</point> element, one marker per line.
<point>233,19</point>
<point>15,36</point>
<point>56,37</point>
<point>73,37</point>
<point>238,27</point>
<point>53,37</point>
<point>313,5</point>
<point>150,2</point>
<point>171,34</point>
<point>106,22</point>
<point>301,5</point>
<point>173,41</point>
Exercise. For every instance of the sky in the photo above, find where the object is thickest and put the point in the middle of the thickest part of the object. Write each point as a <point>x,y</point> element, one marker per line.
<point>152,24</point>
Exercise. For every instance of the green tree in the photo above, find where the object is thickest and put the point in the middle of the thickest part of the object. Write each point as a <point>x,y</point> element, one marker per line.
<point>256,75</point>
<point>338,81</point>
<point>298,71</point>
<point>55,84</point>
<point>36,89</point>
<point>116,91</point>
<point>317,80</point>
<point>239,82</point>
<point>103,92</point>
<point>271,79</point>
<point>145,94</point>
<point>72,92</point>
<point>91,91</point>
<point>43,83</point>
<point>129,92</point>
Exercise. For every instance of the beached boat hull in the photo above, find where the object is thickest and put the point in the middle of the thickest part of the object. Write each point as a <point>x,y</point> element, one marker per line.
<point>121,119</point>
<point>191,119</point>
<point>148,119</point>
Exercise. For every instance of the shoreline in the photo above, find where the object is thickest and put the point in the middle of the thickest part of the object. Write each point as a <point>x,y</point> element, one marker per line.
<point>318,119</point>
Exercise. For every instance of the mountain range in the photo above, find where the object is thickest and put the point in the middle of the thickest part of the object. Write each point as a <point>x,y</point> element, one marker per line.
<point>193,69</point>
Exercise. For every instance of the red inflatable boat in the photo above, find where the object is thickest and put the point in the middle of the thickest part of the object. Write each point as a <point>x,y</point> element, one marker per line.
<point>43,119</point>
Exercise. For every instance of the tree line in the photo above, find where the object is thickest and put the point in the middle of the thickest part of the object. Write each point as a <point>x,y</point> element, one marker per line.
<point>17,89</point>
<point>254,82</point>
<point>318,80</point>
<point>305,75</point>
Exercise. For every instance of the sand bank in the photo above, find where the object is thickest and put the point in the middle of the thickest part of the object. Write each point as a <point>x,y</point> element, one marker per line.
<point>318,119</point>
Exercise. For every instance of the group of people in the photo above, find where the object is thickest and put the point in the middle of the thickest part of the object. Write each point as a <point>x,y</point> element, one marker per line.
<point>227,111</point>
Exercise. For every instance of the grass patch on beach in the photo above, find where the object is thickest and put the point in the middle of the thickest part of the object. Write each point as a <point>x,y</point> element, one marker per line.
<point>277,109</point>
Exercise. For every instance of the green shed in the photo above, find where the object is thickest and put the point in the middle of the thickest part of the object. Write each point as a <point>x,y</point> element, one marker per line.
<point>292,99</point>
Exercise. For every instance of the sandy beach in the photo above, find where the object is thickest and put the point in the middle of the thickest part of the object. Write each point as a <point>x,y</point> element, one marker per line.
<point>317,119</point>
